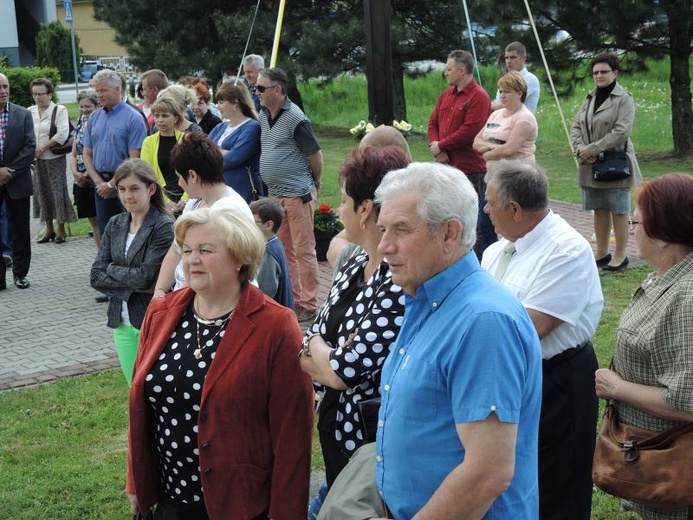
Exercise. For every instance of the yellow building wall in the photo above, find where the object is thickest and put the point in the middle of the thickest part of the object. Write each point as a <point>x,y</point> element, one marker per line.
<point>95,38</point>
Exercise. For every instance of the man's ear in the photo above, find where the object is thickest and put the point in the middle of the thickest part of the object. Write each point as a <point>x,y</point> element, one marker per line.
<point>452,234</point>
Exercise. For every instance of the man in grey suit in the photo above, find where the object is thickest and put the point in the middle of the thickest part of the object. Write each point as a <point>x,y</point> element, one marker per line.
<point>17,147</point>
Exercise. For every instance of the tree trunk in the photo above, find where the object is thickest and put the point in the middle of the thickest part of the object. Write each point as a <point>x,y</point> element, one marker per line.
<point>680,82</point>
<point>399,100</point>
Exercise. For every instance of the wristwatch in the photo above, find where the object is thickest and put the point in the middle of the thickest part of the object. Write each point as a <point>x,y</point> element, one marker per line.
<point>110,185</point>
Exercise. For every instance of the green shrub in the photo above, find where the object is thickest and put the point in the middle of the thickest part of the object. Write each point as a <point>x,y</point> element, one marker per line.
<point>21,77</point>
<point>54,49</point>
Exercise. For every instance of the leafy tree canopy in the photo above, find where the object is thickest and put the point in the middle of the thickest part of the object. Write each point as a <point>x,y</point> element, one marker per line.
<point>326,38</point>
<point>54,49</point>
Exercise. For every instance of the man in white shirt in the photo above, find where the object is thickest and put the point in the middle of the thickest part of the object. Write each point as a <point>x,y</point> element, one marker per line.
<point>515,58</point>
<point>550,267</point>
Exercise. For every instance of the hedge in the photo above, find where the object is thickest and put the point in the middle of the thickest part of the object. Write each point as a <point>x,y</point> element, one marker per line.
<point>21,77</point>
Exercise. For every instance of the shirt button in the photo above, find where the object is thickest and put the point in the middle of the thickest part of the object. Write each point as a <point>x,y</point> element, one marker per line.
<point>207,471</point>
<point>379,458</point>
<point>435,305</point>
<point>493,408</point>
<point>205,445</point>
<point>386,388</point>
<point>380,423</point>
<point>203,417</point>
<point>401,351</point>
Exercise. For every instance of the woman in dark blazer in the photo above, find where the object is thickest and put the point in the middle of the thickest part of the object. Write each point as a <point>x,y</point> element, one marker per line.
<point>132,247</point>
<point>221,416</point>
<point>239,140</point>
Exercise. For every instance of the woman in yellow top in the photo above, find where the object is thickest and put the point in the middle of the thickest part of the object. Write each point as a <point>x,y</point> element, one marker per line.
<point>156,150</point>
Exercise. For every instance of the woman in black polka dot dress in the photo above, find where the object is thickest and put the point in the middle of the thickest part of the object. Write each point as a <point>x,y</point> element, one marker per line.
<point>220,413</point>
<point>345,347</point>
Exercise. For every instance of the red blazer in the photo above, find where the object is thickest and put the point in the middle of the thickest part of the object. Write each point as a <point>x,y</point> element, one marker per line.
<point>255,422</point>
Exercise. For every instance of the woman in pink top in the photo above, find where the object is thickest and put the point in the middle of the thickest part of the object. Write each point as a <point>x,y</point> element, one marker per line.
<point>510,132</point>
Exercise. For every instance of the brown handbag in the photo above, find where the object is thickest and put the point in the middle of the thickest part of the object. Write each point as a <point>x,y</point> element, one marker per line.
<point>654,469</point>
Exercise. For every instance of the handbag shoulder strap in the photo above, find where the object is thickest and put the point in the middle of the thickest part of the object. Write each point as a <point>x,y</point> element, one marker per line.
<point>53,129</point>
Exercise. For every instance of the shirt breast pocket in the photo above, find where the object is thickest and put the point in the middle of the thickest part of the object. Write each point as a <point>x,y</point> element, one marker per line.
<point>421,387</point>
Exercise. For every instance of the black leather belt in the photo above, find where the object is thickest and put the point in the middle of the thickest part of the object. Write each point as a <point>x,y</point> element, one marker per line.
<point>107,176</point>
<point>566,355</point>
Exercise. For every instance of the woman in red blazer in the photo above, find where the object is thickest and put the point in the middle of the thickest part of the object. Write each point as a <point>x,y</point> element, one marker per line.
<point>220,412</point>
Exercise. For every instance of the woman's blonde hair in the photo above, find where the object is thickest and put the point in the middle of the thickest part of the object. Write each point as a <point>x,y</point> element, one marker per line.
<point>244,241</point>
<point>168,104</point>
<point>513,80</point>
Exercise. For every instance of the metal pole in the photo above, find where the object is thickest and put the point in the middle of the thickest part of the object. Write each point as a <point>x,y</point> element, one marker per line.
<point>74,57</point>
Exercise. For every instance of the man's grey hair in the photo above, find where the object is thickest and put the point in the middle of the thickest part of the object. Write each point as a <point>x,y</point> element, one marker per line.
<point>254,59</point>
<point>446,194</point>
<point>277,77</point>
<point>519,181</point>
<point>108,76</point>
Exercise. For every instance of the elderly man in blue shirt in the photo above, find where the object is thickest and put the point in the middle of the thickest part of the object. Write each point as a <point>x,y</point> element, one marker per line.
<point>461,389</point>
<point>115,133</point>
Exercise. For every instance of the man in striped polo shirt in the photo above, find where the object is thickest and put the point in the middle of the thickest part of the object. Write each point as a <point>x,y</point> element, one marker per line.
<point>291,167</point>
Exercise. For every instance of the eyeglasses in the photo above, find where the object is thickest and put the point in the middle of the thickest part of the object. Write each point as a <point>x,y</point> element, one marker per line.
<point>632,223</point>
<point>261,89</point>
<point>601,72</point>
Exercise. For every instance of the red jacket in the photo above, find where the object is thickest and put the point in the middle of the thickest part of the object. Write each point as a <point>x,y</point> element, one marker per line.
<point>255,421</point>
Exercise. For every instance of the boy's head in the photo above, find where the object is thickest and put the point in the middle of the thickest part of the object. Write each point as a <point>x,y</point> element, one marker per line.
<point>268,215</point>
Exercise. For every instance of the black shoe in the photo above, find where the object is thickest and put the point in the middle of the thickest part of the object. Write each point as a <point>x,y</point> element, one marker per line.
<point>46,238</point>
<point>59,240</point>
<point>616,268</point>
<point>102,298</point>
<point>8,261</point>
<point>603,260</point>
<point>21,282</point>
<point>3,284</point>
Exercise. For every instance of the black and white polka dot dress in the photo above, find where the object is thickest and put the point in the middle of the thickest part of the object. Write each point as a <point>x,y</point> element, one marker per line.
<point>373,313</point>
<point>173,388</point>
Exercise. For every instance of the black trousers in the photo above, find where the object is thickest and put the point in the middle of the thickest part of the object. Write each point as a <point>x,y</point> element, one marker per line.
<point>18,220</point>
<point>567,435</point>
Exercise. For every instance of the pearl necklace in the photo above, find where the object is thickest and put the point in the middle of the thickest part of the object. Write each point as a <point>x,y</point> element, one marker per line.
<point>219,322</point>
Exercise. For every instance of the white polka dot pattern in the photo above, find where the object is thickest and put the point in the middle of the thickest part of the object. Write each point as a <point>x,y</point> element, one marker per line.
<point>174,390</point>
<point>376,317</point>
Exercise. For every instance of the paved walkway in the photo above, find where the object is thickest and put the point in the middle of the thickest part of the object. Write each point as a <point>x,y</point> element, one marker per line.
<point>55,329</point>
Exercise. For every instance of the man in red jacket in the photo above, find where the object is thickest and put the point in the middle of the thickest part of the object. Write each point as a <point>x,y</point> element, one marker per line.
<point>460,113</point>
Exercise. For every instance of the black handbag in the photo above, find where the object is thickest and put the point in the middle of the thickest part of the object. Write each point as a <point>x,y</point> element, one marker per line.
<point>66,147</point>
<point>612,167</point>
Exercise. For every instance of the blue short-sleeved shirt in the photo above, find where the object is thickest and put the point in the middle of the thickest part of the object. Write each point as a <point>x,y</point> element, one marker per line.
<point>111,134</point>
<point>467,348</point>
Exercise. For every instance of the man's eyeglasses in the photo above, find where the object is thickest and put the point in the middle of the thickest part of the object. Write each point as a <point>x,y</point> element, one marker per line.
<point>261,88</point>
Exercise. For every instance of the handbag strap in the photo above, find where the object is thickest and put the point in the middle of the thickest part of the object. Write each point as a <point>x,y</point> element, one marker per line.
<point>53,129</point>
<point>252,184</point>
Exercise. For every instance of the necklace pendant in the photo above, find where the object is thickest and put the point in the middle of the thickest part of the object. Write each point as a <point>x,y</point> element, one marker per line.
<point>197,353</point>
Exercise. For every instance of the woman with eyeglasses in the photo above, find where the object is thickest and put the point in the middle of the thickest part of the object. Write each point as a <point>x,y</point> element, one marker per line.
<point>650,383</point>
<point>603,124</point>
<point>511,131</point>
<point>52,128</point>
